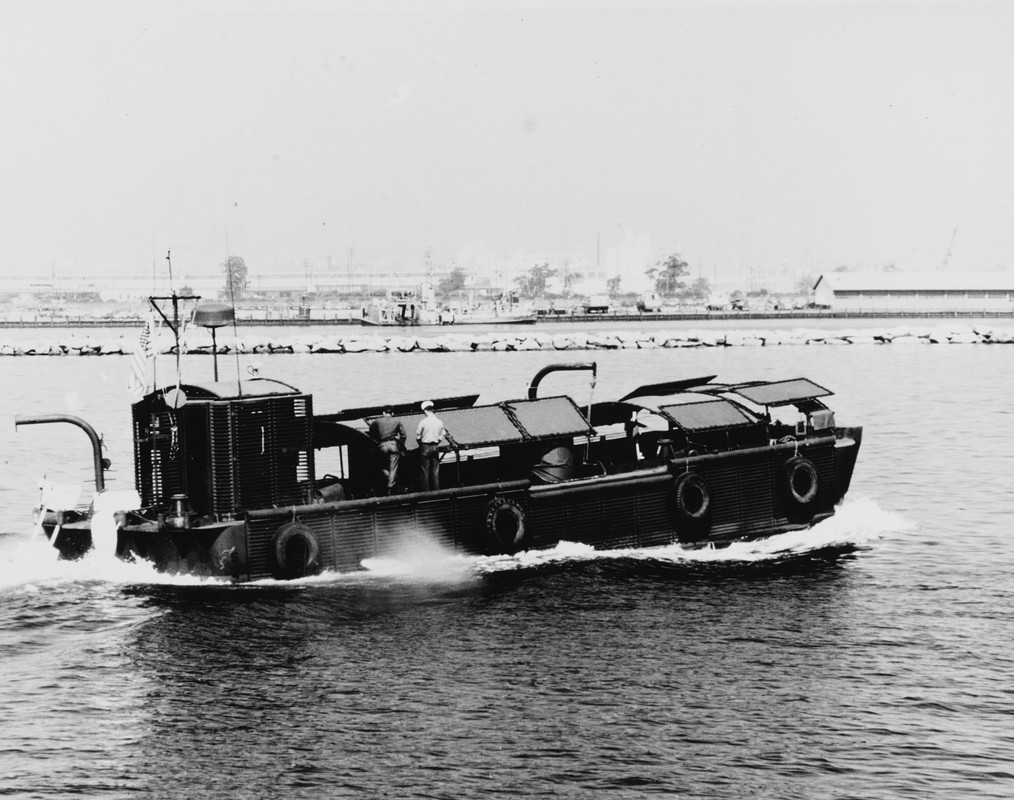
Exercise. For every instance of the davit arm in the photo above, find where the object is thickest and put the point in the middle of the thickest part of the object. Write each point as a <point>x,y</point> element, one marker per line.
<point>101,464</point>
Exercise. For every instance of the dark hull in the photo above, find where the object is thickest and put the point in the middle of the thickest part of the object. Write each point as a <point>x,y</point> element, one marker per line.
<point>748,496</point>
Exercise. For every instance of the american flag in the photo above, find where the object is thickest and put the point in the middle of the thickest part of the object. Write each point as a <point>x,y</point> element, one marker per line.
<point>140,361</point>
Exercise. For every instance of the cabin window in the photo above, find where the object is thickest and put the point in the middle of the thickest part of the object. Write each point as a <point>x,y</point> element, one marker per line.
<point>333,461</point>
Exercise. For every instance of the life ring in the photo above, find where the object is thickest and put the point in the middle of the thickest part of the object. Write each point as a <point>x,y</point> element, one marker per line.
<point>505,525</point>
<point>692,502</point>
<point>800,484</point>
<point>294,551</point>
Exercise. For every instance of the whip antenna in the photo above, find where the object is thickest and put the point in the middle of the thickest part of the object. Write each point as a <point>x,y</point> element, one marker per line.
<point>232,302</point>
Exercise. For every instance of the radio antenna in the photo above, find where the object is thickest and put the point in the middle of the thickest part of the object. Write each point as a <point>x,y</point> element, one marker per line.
<point>232,302</point>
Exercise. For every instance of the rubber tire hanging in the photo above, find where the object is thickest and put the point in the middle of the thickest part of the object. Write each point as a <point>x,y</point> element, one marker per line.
<point>800,485</point>
<point>692,505</point>
<point>294,552</point>
<point>506,526</point>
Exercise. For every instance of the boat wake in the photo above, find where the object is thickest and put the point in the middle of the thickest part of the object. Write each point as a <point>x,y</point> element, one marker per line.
<point>28,562</point>
<point>857,526</point>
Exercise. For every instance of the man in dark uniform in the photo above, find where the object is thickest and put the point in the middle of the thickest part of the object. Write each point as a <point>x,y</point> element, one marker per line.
<point>389,434</point>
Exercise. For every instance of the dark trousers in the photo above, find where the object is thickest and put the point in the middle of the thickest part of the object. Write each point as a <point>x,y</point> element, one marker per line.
<point>390,455</point>
<point>429,467</point>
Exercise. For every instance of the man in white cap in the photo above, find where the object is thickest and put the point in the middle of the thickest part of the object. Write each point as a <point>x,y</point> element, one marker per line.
<point>428,434</point>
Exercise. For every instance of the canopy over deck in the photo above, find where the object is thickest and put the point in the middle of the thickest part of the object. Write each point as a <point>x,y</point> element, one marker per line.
<point>508,422</point>
<point>667,388</point>
<point>402,409</point>
<point>704,413</point>
<point>781,393</point>
<point>225,390</point>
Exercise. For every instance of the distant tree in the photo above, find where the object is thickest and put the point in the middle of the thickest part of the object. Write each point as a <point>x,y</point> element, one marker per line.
<point>454,281</point>
<point>235,271</point>
<point>613,285</point>
<point>697,292</point>
<point>534,283</point>
<point>569,279</point>
<point>805,284</point>
<point>667,273</point>
<point>187,291</point>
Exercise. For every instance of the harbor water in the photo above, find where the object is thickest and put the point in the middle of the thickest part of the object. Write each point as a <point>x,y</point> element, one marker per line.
<point>774,670</point>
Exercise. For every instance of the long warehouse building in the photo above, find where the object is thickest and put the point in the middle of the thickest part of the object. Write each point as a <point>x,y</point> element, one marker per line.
<point>965,292</point>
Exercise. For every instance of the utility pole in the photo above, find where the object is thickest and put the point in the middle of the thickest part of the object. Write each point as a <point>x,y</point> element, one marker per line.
<point>950,246</point>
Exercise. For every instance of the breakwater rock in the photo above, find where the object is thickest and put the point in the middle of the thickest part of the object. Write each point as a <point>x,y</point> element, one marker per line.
<point>199,342</point>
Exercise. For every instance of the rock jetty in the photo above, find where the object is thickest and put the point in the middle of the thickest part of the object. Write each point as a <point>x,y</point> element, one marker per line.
<point>309,343</point>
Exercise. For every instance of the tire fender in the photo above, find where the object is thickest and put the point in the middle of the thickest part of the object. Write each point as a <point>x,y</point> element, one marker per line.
<point>692,505</point>
<point>800,484</point>
<point>294,552</point>
<point>506,525</point>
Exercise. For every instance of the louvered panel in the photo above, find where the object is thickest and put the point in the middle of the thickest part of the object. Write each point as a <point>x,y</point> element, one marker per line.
<point>469,527</point>
<point>584,519</point>
<point>157,473</point>
<point>618,526</point>
<point>303,469</point>
<point>435,520</point>
<point>547,521</point>
<point>259,533</point>
<point>392,526</point>
<point>291,434</point>
<point>823,460</point>
<point>274,457</point>
<point>654,520</point>
<point>354,539</point>
<point>221,466</point>
<point>322,527</point>
<point>756,488</point>
<point>723,481</point>
<point>251,433</point>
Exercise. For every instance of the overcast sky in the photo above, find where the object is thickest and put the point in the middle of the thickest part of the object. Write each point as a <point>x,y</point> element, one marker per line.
<point>739,135</point>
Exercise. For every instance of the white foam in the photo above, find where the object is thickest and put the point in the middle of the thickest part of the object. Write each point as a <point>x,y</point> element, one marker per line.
<point>421,559</point>
<point>28,562</point>
<point>858,523</point>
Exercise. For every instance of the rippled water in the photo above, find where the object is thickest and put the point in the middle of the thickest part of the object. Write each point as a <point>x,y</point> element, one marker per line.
<point>784,669</point>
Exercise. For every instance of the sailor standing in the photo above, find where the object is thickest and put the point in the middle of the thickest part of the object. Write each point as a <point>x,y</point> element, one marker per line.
<point>389,434</point>
<point>428,434</point>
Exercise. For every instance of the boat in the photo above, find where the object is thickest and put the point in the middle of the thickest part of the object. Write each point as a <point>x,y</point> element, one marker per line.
<point>400,307</point>
<point>250,481</point>
<point>486,314</point>
<point>409,307</point>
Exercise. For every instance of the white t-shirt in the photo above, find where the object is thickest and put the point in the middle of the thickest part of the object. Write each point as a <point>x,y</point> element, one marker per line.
<point>430,430</point>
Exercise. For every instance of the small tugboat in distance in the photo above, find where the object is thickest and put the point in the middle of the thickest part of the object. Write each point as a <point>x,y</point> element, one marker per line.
<point>231,481</point>
<point>408,308</point>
